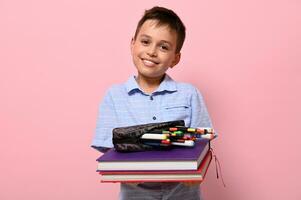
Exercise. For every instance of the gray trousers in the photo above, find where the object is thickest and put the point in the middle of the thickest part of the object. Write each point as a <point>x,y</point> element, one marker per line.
<point>159,191</point>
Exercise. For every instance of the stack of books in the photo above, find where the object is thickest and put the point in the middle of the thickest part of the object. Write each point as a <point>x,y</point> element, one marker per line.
<point>178,164</point>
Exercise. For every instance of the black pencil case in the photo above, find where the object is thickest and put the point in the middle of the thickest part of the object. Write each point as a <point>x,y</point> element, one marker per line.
<point>127,139</point>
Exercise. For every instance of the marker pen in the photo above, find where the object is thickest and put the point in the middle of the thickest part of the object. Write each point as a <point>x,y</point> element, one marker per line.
<point>155,136</point>
<point>188,143</point>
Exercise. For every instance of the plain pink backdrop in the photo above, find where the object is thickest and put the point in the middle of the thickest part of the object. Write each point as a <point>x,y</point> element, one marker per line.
<point>57,58</point>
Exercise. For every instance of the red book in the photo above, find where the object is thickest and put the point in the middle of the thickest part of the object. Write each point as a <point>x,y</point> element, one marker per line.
<point>159,176</point>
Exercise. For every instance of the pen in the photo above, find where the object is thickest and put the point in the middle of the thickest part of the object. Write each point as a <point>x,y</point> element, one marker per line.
<point>155,136</point>
<point>156,144</point>
<point>159,132</point>
<point>201,130</point>
<point>188,143</point>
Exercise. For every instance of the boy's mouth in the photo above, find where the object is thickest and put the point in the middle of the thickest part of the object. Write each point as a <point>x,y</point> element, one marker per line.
<point>149,63</point>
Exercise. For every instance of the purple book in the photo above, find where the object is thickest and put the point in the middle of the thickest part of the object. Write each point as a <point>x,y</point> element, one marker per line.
<point>178,158</point>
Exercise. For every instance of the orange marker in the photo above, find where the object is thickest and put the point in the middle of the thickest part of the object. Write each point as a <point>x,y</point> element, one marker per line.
<point>173,129</point>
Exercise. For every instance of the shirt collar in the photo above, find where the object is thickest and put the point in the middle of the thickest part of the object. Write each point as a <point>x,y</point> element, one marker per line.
<point>168,84</point>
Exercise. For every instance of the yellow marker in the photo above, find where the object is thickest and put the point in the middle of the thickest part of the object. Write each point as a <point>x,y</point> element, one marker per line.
<point>191,130</point>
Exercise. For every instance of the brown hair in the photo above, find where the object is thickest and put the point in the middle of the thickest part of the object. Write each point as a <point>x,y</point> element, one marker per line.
<point>167,17</point>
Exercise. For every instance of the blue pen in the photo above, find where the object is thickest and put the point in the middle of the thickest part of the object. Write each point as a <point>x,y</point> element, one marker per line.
<point>156,144</point>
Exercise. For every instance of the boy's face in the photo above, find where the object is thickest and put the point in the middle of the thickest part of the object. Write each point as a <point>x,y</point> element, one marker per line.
<point>154,50</point>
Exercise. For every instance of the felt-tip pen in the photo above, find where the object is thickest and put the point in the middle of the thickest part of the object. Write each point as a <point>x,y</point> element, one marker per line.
<point>156,144</point>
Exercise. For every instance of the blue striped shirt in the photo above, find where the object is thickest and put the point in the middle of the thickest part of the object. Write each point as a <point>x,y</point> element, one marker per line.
<point>126,104</point>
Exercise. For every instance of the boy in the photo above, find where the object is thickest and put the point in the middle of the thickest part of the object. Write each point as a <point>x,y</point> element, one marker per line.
<point>152,96</point>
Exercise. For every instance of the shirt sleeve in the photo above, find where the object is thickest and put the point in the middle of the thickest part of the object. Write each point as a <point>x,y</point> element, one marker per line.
<point>199,114</point>
<point>106,121</point>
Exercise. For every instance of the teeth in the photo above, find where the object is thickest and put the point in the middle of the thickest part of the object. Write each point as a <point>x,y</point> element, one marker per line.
<point>149,63</point>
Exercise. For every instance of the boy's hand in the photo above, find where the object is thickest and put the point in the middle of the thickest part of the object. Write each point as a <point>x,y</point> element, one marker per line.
<point>134,183</point>
<point>191,183</point>
<point>186,183</point>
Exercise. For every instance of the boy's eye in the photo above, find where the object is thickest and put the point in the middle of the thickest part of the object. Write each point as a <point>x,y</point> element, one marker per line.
<point>164,47</point>
<point>145,42</point>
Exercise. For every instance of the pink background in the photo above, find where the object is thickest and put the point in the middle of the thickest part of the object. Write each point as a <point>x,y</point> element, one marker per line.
<point>57,58</point>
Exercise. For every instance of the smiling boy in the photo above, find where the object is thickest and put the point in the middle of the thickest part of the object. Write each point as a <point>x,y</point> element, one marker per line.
<point>154,50</point>
<point>153,96</point>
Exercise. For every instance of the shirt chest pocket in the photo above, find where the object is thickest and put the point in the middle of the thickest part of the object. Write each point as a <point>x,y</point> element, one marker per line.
<point>178,111</point>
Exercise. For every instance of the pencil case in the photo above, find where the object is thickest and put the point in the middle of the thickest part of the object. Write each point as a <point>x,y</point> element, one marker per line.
<point>127,139</point>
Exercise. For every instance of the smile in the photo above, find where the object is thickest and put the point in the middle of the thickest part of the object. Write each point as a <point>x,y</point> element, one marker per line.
<point>149,63</point>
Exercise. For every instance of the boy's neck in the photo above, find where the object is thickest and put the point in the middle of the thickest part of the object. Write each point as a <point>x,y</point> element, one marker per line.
<point>149,85</point>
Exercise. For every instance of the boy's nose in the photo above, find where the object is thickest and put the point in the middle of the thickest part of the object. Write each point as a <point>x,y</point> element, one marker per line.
<point>152,51</point>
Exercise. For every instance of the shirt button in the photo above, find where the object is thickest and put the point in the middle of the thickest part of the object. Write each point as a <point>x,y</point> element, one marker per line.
<point>154,118</point>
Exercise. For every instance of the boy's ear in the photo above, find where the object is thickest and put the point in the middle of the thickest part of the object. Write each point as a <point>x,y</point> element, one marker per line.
<point>176,60</point>
<point>132,43</point>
